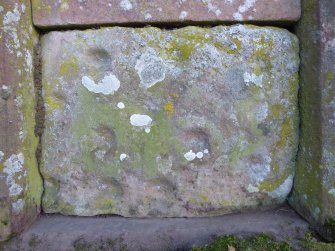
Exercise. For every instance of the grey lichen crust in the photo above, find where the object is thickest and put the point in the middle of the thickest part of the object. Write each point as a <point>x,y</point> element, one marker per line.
<point>188,122</point>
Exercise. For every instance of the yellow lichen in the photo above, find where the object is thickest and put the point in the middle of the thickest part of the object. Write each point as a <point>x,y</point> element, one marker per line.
<point>169,108</point>
<point>53,104</point>
<point>69,67</point>
<point>286,134</point>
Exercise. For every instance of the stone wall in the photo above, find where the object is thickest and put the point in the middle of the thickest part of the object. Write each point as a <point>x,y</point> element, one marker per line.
<point>147,122</point>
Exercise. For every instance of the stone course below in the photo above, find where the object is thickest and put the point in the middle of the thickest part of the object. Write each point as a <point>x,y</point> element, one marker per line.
<point>55,232</point>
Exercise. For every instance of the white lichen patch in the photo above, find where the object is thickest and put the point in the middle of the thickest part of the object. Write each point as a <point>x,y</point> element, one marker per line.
<point>283,190</point>
<point>14,166</point>
<point>212,8</point>
<point>238,16</point>
<point>261,112</point>
<point>17,206</point>
<point>120,105</point>
<point>252,189</point>
<point>150,68</point>
<point>200,155</point>
<point>253,79</point>
<point>108,85</point>
<point>123,156</point>
<point>258,171</point>
<point>10,23</point>
<point>183,15</point>
<point>140,120</point>
<point>126,5</point>
<point>1,155</point>
<point>248,4</point>
<point>23,8</point>
<point>64,6</point>
<point>190,155</point>
<point>147,16</point>
<point>28,62</point>
<point>332,191</point>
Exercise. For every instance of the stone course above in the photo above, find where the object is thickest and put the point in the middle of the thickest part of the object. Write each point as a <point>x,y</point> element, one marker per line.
<point>50,13</point>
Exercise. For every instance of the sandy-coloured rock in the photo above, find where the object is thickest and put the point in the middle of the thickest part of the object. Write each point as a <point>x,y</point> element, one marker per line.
<point>66,13</point>
<point>20,182</point>
<point>208,122</point>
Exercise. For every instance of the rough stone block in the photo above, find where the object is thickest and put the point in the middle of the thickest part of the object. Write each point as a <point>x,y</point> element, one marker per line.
<point>314,188</point>
<point>50,13</point>
<point>188,122</point>
<point>20,182</point>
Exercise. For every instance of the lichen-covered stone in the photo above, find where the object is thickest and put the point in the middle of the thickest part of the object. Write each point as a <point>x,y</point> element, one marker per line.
<point>67,13</point>
<point>188,122</point>
<point>20,182</point>
<point>314,188</point>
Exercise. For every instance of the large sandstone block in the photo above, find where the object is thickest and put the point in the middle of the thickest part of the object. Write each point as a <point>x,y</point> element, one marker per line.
<point>188,122</point>
<point>314,188</point>
<point>50,13</point>
<point>20,182</point>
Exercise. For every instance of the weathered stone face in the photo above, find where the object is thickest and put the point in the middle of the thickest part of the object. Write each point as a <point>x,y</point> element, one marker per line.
<point>20,182</point>
<point>188,122</point>
<point>314,189</point>
<point>62,13</point>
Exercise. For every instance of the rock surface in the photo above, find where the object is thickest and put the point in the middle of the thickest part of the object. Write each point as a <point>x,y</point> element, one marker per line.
<point>50,13</point>
<point>188,122</point>
<point>314,188</point>
<point>20,182</point>
<point>60,233</point>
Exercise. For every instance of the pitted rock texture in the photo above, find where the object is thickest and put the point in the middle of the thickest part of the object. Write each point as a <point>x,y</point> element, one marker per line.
<point>20,182</point>
<point>50,13</point>
<point>188,122</point>
<point>314,189</point>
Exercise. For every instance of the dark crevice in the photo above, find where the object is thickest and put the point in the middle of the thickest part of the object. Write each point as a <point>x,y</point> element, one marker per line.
<point>164,25</point>
<point>39,106</point>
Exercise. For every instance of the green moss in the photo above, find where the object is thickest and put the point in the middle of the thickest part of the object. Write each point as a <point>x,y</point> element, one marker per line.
<point>186,42</point>
<point>329,227</point>
<point>105,204</point>
<point>286,134</point>
<point>263,54</point>
<point>308,169</point>
<point>142,148</point>
<point>260,242</point>
<point>101,244</point>
<point>241,151</point>
<point>271,185</point>
<point>29,145</point>
<point>329,76</point>
<point>311,244</point>
<point>276,111</point>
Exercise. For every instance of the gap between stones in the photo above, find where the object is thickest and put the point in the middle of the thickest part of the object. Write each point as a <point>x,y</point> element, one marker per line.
<point>39,106</point>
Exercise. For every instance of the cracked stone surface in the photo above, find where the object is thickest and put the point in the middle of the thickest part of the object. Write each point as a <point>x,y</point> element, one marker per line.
<point>50,13</point>
<point>189,122</point>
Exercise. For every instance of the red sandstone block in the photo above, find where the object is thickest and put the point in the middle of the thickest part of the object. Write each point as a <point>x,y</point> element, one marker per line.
<point>20,182</point>
<point>50,13</point>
